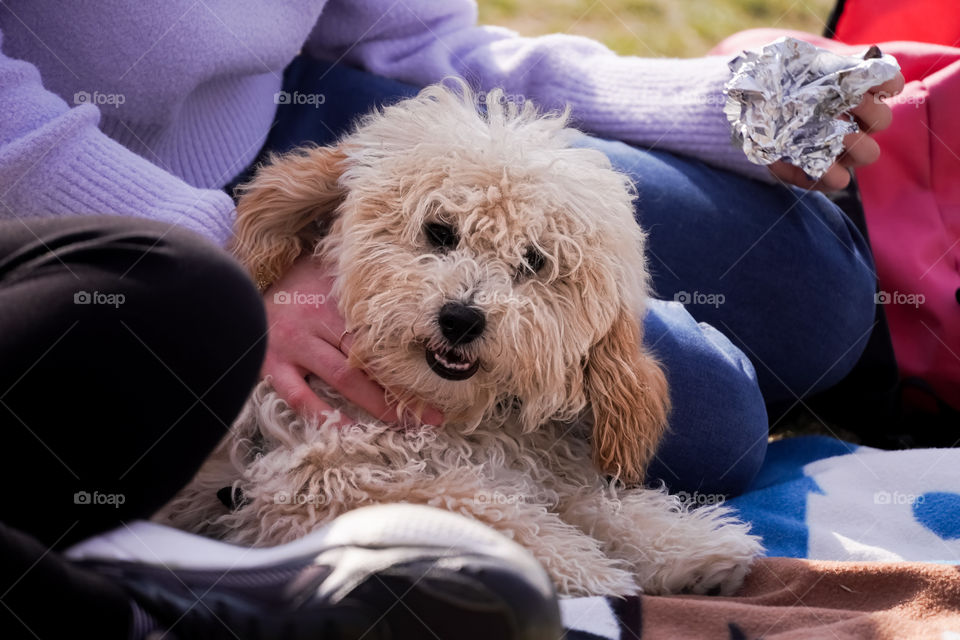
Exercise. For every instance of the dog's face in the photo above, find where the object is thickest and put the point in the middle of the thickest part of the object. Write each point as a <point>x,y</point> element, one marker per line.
<point>486,267</point>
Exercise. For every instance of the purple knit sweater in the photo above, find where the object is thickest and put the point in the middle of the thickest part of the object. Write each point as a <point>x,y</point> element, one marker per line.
<point>148,108</point>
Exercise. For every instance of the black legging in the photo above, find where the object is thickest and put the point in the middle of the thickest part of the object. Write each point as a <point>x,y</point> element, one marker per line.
<point>127,347</point>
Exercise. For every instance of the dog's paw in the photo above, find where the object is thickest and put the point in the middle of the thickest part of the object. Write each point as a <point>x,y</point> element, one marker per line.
<point>723,569</point>
<point>715,562</point>
<point>717,575</point>
<point>722,578</point>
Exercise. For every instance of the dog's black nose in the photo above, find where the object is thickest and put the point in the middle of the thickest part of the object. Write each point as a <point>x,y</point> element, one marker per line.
<point>460,323</point>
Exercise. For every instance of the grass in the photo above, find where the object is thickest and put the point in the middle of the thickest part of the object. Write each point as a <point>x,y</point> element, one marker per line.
<point>654,28</point>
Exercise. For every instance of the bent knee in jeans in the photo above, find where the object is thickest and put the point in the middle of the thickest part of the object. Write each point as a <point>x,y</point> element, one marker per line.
<point>717,435</point>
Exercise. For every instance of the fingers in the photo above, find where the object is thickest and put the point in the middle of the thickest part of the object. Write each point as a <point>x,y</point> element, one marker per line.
<point>307,337</point>
<point>836,178</point>
<point>313,354</point>
<point>872,113</point>
<point>330,365</point>
<point>427,415</point>
<point>293,388</point>
<point>430,415</point>
<point>790,174</point>
<point>891,87</point>
<point>859,150</point>
<point>344,342</point>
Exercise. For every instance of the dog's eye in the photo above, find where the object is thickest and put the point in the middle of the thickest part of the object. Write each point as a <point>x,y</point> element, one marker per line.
<point>441,236</point>
<point>533,261</point>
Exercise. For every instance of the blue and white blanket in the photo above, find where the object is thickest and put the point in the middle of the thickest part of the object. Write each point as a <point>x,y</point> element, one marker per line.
<point>821,498</point>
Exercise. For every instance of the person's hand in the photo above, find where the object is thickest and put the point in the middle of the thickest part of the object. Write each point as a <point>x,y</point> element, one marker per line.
<point>860,149</point>
<point>306,336</point>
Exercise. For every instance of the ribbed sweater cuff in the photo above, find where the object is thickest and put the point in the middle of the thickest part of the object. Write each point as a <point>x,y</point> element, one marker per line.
<point>92,174</point>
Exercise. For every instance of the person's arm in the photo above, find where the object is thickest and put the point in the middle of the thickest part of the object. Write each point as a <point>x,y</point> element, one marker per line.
<point>54,161</point>
<point>671,104</point>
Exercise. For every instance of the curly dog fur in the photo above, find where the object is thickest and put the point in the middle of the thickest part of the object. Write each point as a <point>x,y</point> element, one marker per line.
<point>553,408</point>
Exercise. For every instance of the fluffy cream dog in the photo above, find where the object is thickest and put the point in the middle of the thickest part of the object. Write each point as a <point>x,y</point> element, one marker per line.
<point>489,268</point>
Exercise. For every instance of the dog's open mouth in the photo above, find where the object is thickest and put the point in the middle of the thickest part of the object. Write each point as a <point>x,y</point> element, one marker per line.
<point>451,365</point>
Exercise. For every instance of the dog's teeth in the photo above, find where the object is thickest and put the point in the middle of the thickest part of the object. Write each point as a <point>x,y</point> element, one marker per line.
<point>457,366</point>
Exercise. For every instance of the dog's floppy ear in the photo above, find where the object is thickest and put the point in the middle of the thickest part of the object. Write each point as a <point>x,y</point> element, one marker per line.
<point>283,210</point>
<point>628,392</point>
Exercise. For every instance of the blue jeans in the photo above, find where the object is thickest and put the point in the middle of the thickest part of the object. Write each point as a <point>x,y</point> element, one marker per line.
<point>766,292</point>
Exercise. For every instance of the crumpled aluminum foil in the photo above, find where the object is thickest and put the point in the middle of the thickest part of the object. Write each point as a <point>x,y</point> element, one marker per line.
<point>788,101</point>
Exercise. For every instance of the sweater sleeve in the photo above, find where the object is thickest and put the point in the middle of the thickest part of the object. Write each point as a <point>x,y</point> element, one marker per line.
<point>670,104</point>
<point>55,161</point>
